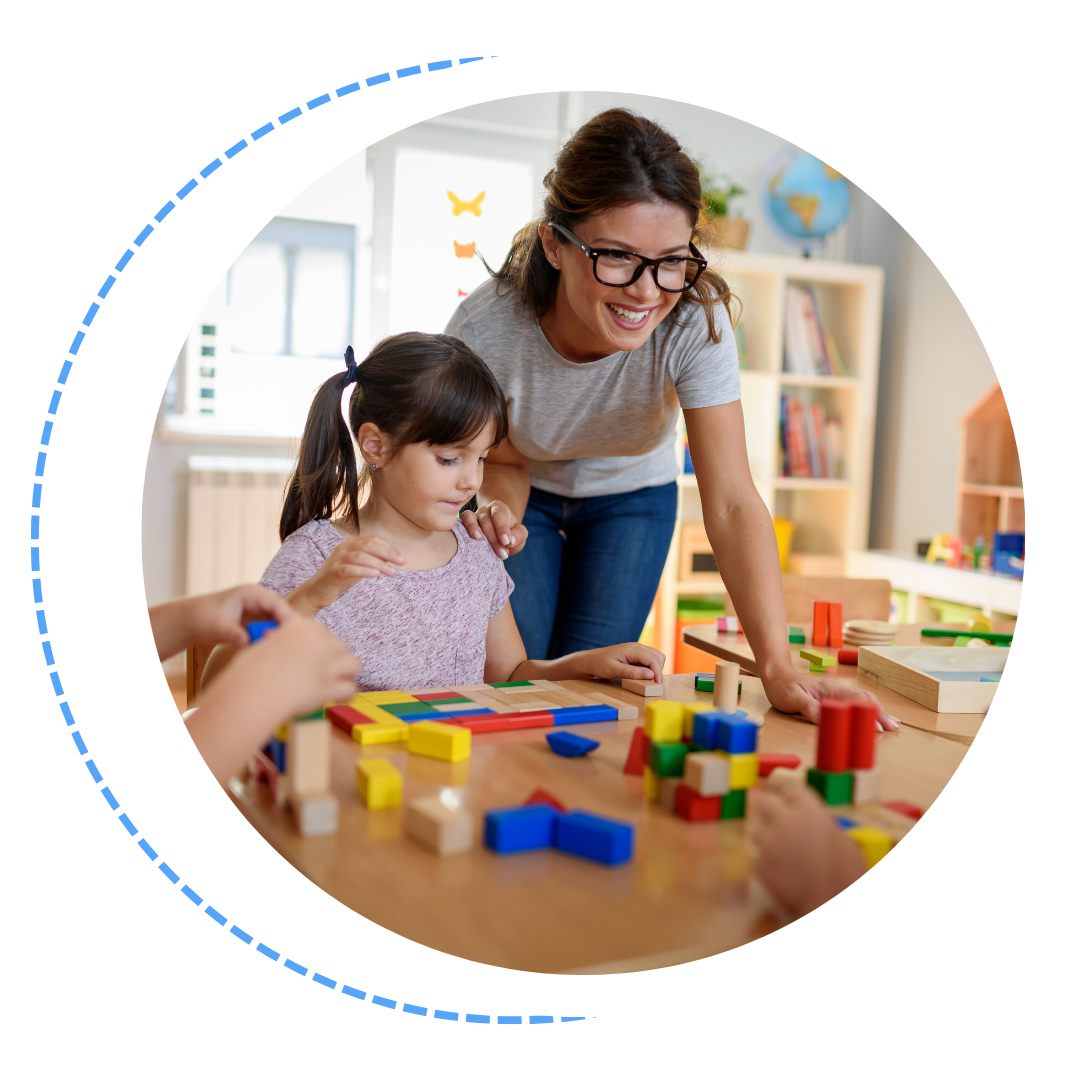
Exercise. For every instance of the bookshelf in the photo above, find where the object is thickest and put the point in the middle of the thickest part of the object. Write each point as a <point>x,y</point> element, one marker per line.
<point>990,495</point>
<point>830,516</point>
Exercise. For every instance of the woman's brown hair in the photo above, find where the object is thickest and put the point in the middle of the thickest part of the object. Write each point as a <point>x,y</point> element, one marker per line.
<point>414,388</point>
<point>614,159</point>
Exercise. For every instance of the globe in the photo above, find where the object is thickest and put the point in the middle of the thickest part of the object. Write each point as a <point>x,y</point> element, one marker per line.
<point>804,199</point>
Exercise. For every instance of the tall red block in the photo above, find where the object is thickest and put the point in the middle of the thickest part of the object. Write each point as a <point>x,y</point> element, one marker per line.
<point>836,626</point>
<point>820,635</point>
<point>834,737</point>
<point>863,736</point>
<point>639,753</point>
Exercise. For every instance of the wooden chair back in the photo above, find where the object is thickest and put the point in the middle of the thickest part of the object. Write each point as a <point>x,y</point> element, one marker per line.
<point>863,598</point>
<point>197,655</point>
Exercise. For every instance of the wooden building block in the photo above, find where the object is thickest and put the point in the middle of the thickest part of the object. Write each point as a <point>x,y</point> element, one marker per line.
<point>437,827</point>
<point>345,717</point>
<point>644,687</point>
<point>726,686</point>
<point>744,769</point>
<point>315,815</point>
<point>866,786</point>
<point>875,844</point>
<point>707,774</point>
<point>385,697</point>
<point>664,721</point>
<point>820,635</point>
<point>693,806</point>
<point>636,759</point>
<point>733,805</point>
<point>818,669</point>
<point>834,736</point>
<point>520,828</point>
<point>625,712</point>
<point>567,744</point>
<point>835,787</point>
<point>819,658</point>
<point>488,723</point>
<point>308,758</point>
<point>899,806</point>
<point>542,795</point>
<point>590,836</point>
<point>690,710</point>
<point>863,735</point>
<point>669,785</point>
<point>667,758</point>
<point>378,783</point>
<point>836,625</point>
<point>446,742</point>
<point>768,762</point>
<point>380,732</point>
<point>652,785</point>
<point>371,710</point>
<point>849,657</point>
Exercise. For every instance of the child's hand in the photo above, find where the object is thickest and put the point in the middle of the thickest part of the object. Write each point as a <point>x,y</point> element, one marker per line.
<point>791,692</point>
<point>803,856</point>
<point>497,523</point>
<point>361,557</point>
<point>217,618</point>
<point>628,661</point>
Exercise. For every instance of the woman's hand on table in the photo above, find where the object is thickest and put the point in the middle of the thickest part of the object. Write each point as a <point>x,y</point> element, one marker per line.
<point>497,523</point>
<point>791,692</point>
<point>360,557</point>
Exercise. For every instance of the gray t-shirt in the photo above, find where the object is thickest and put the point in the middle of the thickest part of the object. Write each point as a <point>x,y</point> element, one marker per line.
<point>607,426</point>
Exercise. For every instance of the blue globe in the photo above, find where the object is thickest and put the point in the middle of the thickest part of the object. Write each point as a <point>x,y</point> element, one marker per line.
<point>804,199</point>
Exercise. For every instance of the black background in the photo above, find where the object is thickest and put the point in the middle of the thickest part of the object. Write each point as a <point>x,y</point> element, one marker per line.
<point>102,143</point>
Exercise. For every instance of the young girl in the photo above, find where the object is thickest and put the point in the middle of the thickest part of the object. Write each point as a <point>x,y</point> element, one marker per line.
<point>396,576</point>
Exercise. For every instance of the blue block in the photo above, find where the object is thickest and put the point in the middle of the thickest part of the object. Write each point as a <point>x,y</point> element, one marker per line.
<point>275,751</point>
<point>735,735</point>
<point>520,828</point>
<point>590,836</point>
<point>705,730</point>
<point>257,629</point>
<point>846,822</point>
<point>584,714</point>
<point>566,744</point>
<point>412,717</point>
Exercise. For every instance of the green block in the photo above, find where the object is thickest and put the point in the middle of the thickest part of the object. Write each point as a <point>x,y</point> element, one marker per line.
<point>836,787</point>
<point>816,657</point>
<point>504,685</point>
<point>668,758</point>
<point>795,636</point>
<point>405,708</point>
<point>449,701</point>
<point>818,668</point>
<point>705,685</point>
<point>318,714</point>
<point>733,805</point>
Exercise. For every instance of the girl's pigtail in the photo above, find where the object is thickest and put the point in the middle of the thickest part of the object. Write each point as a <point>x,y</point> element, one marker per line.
<point>325,477</point>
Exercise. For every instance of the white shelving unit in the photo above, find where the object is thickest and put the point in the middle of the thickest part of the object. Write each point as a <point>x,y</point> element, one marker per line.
<point>831,516</point>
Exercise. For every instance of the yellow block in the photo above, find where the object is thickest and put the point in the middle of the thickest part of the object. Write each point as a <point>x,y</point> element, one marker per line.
<point>446,742</point>
<point>664,721</point>
<point>744,769</point>
<point>875,844</point>
<point>378,783</point>
<point>383,697</point>
<point>282,733</point>
<point>382,731</point>
<point>690,710</point>
<point>652,785</point>
<point>371,711</point>
<point>980,623</point>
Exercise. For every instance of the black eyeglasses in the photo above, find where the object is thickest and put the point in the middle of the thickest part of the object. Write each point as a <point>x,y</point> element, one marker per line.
<point>611,266</point>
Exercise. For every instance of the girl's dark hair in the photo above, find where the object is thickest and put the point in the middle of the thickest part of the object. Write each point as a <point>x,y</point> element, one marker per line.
<point>614,159</point>
<point>414,388</point>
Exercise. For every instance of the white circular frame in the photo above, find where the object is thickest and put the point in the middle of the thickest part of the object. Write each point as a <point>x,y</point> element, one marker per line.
<point>500,988</point>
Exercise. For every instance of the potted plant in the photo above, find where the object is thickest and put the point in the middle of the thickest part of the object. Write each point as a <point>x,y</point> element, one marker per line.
<point>718,227</point>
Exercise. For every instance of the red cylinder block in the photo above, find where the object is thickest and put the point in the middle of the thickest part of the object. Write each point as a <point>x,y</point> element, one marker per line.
<point>863,736</point>
<point>834,737</point>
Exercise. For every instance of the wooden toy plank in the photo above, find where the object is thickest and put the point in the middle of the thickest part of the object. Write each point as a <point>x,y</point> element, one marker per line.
<point>626,712</point>
<point>644,687</point>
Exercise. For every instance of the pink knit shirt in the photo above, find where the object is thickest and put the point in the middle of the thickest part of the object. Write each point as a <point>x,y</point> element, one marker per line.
<point>418,628</point>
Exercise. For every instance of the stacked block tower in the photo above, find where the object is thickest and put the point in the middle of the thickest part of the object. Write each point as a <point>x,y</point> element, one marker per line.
<point>845,769</point>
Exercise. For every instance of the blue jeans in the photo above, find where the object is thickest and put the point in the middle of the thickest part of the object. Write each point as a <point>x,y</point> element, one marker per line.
<point>595,587</point>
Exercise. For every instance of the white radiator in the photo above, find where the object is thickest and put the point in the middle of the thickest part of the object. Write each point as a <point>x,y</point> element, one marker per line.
<point>234,506</point>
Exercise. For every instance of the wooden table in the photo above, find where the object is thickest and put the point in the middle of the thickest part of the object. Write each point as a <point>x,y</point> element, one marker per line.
<point>686,894</point>
<point>962,727</point>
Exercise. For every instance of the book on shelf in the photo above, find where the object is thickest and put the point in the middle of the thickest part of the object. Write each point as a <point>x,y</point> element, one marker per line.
<point>810,443</point>
<point>809,348</point>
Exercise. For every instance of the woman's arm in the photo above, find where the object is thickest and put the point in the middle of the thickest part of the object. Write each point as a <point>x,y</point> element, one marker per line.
<point>742,537</point>
<point>503,496</point>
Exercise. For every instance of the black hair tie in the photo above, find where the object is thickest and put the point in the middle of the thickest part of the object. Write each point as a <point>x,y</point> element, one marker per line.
<point>352,369</point>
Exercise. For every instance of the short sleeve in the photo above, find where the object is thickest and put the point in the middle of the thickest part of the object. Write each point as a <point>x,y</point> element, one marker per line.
<point>296,560</point>
<point>706,372</point>
<point>504,586</point>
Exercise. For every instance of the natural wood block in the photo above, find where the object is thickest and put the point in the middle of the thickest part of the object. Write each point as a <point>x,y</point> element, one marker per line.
<point>875,844</point>
<point>866,786</point>
<point>315,815</point>
<point>307,761</point>
<point>644,687</point>
<point>707,773</point>
<point>744,769</point>
<point>445,742</point>
<point>668,786</point>
<point>944,680</point>
<point>626,712</point>
<point>726,686</point>
<point>664,721</point>
<point>437,827</point>
<point>378,783</point>
<point>380,732</point>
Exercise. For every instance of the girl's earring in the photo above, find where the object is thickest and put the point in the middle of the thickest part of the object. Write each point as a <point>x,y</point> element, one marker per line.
<point>373,466</point>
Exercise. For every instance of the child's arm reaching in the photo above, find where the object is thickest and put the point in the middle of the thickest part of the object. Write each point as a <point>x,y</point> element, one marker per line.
<point>361,557</point>
<point>506,658</point>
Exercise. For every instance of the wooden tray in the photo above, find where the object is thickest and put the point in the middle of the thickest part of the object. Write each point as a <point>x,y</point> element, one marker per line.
<point>945,680</point>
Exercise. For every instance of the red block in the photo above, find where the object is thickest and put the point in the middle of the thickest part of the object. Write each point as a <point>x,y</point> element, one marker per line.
<point>820,636</point>
<point>545,797</point>
<point>768,762</point>
<point>836,626</point>
<point>848,656</point>
<point>905,808</point>
<point>863,735</point>
<point>834,736</point>
<point>345,716</point>
<point>264,768</point>
<point>635,760</point>
<point>485,725</point>
<point>694,807</point>
<point>435,697</point>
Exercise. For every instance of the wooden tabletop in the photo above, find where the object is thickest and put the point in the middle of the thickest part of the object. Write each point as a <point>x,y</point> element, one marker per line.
<point>686,894</point>
<point>960,726</point>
